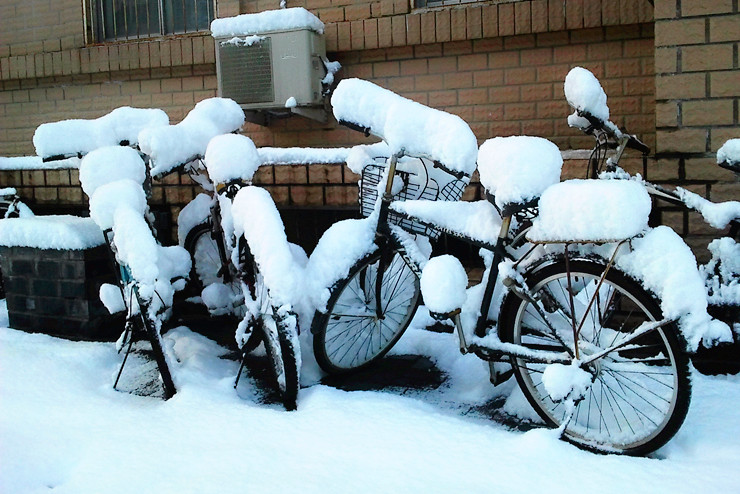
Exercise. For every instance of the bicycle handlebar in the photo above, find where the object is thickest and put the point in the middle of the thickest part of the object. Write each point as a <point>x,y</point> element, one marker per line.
<point>437,164</point>
<point>597,124</point>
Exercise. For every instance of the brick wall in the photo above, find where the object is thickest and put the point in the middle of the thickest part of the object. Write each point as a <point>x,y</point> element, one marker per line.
<point>500,86</point>
<point>499,65</point>
<point>40,26</point>
<point>697,93</point>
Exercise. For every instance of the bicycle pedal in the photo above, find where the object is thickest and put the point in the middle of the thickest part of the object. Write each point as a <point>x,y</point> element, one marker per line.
<point>440,327</point>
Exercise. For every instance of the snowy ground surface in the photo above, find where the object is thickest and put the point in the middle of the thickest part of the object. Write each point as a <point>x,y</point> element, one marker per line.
<point>62,427</point>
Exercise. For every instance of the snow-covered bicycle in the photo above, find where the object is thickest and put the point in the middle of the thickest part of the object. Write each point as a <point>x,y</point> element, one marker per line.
<point>721,274</point>
<point>114,176</point>
<point>229,271</point>
<point>11,206</point>
<point>593,351</point>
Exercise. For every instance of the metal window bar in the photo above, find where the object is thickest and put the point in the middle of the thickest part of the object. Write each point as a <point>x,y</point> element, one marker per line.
<point>132,19</point>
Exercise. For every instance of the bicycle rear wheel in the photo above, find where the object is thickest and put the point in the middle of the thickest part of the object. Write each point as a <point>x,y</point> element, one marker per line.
<point>350,335</point>
<point>640,393</point>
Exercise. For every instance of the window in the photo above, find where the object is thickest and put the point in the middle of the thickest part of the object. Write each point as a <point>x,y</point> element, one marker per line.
<point>112,20</point>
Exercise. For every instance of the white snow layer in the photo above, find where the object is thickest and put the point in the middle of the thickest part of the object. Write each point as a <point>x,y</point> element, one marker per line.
<point>363,154</point>
<point>518,169</point>
<point>231,157</point>
<point>584,93</point>
<point>257,218</point>
<point>406,125</point>
<point>566,381</point>
<point>51,232</point>
<point>476,220</point>
<point>267,21</point>
<point>108,198</point>
<point>716,214</point>
<point>722,272</point>
<point>36,163</point>
<point>109,164</point>
<point>193,213</point>
<point>111,297</point>
<point>72,137</point>
<point>339,247</point>
<point>729,152</point>
<point>591,210</point>
<point>443,283</point>
<point>63,427</point>
<point>666,266</point>
<point>302,156</point>
<point>175,145</point>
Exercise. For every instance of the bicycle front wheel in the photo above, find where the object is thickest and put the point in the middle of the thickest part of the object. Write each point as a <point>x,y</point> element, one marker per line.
<point>282,348</point>
<point>640,392</point>
<point>358,328</point>
<point>206,266</point>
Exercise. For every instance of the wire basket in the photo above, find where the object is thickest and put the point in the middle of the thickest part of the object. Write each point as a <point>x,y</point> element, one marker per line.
<point>416,185</point>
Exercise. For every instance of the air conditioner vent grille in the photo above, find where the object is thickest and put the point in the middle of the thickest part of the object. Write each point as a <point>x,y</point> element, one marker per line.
<point>254,60</point>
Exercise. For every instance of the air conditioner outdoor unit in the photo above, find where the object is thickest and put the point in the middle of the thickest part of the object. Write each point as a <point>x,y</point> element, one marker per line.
<point>276,72</point>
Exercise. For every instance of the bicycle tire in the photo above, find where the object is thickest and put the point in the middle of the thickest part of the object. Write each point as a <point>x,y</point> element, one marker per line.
<point>649,405</point>
<point>281,346</point>
<point>206,263</point>
<point>334,332</point>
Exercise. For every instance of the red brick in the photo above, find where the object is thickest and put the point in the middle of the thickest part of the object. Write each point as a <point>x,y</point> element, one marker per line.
<point>371,33</point>
<point>705,7</point>
<point>413,29</point>
<point>707,57</point>
<point>725,28</point>
<point>574,14</point>
<point>357,35</point>
<point>474,23</point>
<point>490,21</point>
<point>682,141</point>
<point>506,19</point>
<point>592,13</point>
<point>442,27</point>
<point>522,18</point>
<point>725,83</point>
<point>458,24</point>
<point>556,15</point>
<point>539,16</point>
<point>428,27</point>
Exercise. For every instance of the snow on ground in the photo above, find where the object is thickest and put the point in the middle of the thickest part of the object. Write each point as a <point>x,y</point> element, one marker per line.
<point>62,427</point>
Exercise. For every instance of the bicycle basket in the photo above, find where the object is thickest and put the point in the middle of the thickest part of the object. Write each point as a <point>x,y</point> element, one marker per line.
<point>416,185</point>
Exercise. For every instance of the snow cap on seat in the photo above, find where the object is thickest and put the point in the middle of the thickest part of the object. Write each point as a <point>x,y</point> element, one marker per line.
<point>231,157</point>
<point>518,169</point>
<point>405,124</point>
<point>175,145</point>
<point>80,136</point>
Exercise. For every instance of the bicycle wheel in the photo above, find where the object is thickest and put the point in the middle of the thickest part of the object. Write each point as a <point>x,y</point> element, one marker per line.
<point>280,337</point>
<point>350,335</point>
<point>640,393</point>
<point>206,264</point>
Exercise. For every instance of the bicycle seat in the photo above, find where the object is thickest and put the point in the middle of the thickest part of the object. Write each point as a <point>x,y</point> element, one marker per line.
<point>591,211</point>
<point>408,126</point>
<point>77,137</point>
<point>516,170</point>
<point>171,146</point>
